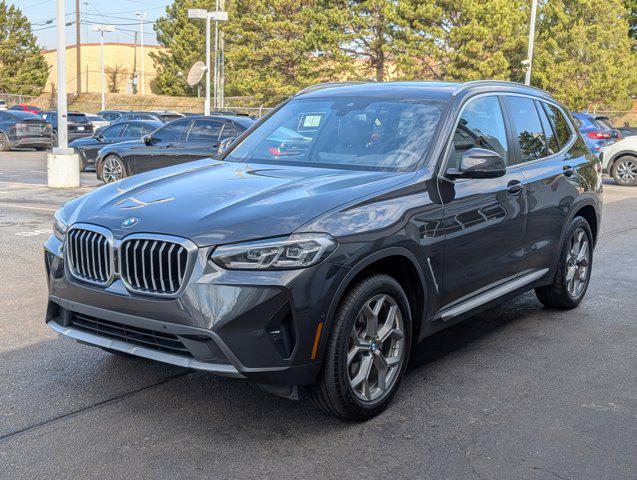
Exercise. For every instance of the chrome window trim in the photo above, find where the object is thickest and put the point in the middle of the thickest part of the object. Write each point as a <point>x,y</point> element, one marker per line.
<point>110,242</point>
<point>445,161</point>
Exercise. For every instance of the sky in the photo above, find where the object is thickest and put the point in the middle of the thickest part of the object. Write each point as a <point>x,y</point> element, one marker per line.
<point>111,12</point>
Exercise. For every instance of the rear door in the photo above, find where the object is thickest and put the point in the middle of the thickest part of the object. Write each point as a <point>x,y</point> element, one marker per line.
<point>484,219</point>
<point>107,136</point>
<point>203,138</point>
<point>166,147</point>
<point>542,137</point>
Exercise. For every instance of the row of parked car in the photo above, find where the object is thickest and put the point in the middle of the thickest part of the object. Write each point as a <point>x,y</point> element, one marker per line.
<point>119,143</point>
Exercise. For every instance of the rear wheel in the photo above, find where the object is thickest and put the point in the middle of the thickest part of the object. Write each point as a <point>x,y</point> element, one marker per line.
<point>624,171</point>
<point>367,350</point>
<point>113,169</point>
<point>4,142</point>
<point>573,270</point>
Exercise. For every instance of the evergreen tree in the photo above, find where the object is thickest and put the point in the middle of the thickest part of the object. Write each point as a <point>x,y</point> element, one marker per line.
<point>185,39</point>
<point>23,68</point>
<point>368,34</point>
<point>583,55</point>
<point>461,39</point>
<point>276,47</point>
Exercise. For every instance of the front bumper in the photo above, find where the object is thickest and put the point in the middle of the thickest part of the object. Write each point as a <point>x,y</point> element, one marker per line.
<point>261,326</point>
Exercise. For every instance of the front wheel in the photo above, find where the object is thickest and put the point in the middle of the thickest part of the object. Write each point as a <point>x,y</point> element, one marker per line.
<point>624,171</point>
<point>573,270</point>
<point>367,350</point>
<point>113,169</point>
<point>4,142</point>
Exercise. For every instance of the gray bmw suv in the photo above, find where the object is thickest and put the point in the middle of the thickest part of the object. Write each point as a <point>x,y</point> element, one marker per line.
<point>314,253</point>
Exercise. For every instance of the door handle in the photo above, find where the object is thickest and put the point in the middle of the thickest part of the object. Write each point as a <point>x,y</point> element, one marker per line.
<point>568,170</point>
<point>514,187</point>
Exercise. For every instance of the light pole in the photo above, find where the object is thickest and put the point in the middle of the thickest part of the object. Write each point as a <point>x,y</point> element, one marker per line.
<point>142,17</point>
<point>529,57</point>
<point>102,29</point>
<point>197,13</point>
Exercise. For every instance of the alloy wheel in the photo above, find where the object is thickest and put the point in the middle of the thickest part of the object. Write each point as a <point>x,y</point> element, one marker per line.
<point>112,170</point>
<point>3,142</point>
<point>627,170</point>
<point>577,263</point>
<point>376,348</point>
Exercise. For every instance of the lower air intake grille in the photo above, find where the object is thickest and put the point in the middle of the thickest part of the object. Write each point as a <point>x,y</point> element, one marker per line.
<point>162,341</point>
<point>89,255</point>
<point>153,266</point>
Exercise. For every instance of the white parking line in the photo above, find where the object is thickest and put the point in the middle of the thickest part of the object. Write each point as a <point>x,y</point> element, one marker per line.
<point>26,207</point>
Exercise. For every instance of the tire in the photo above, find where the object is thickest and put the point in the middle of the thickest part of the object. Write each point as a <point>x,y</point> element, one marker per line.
<point>4,142</point>
<point>624,171</point>
<point>339,390</point>
<point>113,164</point>
<point>568,287</point>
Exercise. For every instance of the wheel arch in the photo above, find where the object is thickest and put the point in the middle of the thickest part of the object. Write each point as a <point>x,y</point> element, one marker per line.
<point>399,263</point>
<point>618,155</point>
<point>590,212</point>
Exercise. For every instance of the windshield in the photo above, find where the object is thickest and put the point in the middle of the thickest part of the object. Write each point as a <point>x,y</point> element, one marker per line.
<point>367,133</point>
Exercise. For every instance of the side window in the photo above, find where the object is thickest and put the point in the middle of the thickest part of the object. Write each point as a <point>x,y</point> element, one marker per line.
<point>133,130</point>
<point>205,131</point>
<point>146,129</point>
<point>527,128</point>
<point>551,139</point>
<point>172,132</point>
<point>562,128</point>
<point>113,132</point>
<point>481,125</point>
<point>229,130</point>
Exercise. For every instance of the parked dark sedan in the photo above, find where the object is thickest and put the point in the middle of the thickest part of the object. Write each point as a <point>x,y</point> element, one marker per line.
<point>88,147</point>
<point>78,125</point>
<point>176,142</point>
<point>23,129</point>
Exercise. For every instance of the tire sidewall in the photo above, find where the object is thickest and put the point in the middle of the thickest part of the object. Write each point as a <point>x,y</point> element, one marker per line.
<point>380,285</point>
<point>4,147</point>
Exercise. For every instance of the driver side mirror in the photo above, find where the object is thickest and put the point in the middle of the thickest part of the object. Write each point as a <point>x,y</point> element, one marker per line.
<point>479,163</point>
<point>99,137</point>
<point>225,144</point>
<point>148,139</point>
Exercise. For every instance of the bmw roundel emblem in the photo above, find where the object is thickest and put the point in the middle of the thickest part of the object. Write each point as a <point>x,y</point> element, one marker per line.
<point>129,222</point>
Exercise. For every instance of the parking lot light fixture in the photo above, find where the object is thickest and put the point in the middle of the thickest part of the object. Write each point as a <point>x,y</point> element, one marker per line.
<point>216,16</point>
<point>101,29</point>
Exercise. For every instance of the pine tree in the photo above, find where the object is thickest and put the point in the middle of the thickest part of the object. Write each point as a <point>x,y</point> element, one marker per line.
<point>186,42</point>
<point>583,55</point>
<point>368,34</point>
<point>276,47</point>
<point>23,68</point>
<point>461,39</point>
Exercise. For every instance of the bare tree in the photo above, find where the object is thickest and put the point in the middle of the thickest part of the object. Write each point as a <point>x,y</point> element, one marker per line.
<point>114,77</point>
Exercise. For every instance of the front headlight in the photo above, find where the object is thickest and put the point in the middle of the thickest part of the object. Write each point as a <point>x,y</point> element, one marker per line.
<point>296,251</point>
<point>59,226</point>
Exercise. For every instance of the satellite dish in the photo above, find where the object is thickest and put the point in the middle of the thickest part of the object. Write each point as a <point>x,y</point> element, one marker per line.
<point>196,73</point>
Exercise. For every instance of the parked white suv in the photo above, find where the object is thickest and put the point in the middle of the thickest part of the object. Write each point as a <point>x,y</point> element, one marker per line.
<point>620,161</point>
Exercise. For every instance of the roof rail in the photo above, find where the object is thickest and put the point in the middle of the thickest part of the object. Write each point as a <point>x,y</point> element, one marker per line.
<point>321,86</point>
<point>476,83</point>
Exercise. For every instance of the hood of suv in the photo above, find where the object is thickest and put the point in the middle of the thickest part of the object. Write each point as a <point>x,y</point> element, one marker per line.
<point>214,202</point>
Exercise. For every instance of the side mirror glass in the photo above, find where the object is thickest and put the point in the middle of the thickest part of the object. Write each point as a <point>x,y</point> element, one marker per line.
<point>225,144</point>
<point>148,139</point>
<point>479,163</point>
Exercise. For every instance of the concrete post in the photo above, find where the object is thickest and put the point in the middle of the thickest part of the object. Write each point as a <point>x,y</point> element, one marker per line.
<point>63,165</point>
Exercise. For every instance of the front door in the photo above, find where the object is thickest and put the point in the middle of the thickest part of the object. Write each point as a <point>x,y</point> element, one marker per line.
<point>166,147</point>
<point>484,219</point>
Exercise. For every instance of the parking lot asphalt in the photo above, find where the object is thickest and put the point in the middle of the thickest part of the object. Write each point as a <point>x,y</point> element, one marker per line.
<point>517,392</point>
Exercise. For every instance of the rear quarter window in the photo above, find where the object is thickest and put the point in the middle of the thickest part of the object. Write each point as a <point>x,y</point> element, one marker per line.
<point>562,128</point>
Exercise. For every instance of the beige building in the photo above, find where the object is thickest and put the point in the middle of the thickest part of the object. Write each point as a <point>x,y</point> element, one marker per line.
<point>120,61</point>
